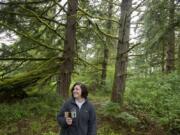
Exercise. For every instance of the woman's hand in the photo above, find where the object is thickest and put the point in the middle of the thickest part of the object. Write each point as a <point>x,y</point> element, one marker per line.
<point>69,121</point>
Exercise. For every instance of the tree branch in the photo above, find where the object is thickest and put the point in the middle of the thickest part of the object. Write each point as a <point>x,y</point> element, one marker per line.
<point>102,32</point>
<point>28,15</point>
<point>11,70</point>
<point>24,59</point>
<point>23,3</point>
<point>140,4</point>
<point>43,22</point>
<point>30,37</point>
<point>62,7</point>
<point>97,17</point>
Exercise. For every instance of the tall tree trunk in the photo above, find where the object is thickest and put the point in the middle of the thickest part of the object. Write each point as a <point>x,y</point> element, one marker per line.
<point>178,60</point>
<point>163,58</point>
<point>122,58</point>
<point>107,44</point>
<point>170,52</point>
<point>67,66</point>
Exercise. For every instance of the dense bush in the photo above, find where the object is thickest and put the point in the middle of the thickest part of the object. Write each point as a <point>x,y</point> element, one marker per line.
<point>113,111</point>
<point>158,96</point>
<point>29,107</point>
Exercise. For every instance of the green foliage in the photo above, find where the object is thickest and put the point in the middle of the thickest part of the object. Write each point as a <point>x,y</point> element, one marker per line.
<point>35,127</point>
<point>50,133</point>
<point>21,84</point>
<point>106,130</point>
<point>128,119</point>
<point>33,115</point>
<point>158,96</point>
<point>89,76</point>
<point>110,109</point>
<point>12,113</point>
<point>40,30</point>
<point>109,80</point>
<point>113,111</point>
<point>92,77</point>
<point>30,107</point>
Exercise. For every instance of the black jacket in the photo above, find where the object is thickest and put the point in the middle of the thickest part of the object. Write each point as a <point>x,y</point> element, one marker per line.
<point>83,124</point>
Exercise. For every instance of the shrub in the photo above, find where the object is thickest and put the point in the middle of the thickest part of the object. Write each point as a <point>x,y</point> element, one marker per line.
<point>158,96</point>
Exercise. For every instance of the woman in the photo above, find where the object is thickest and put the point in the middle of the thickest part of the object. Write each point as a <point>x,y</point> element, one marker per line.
<point>77,116</point>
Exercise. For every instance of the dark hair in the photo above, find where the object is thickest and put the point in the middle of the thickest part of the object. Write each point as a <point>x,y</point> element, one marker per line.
<point>84,91</point>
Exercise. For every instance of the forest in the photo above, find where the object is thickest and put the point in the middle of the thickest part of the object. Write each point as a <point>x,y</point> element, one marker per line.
<point>127,52</point>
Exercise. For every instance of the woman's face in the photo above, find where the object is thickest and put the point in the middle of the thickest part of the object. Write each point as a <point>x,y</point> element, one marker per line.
<point>77,91</point>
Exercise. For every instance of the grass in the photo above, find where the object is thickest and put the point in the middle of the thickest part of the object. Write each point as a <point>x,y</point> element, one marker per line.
<point>31,116</point>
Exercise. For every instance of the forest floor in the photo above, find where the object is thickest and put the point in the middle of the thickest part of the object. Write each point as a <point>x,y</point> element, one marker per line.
<point>114,126</point>
<point>37,116</point>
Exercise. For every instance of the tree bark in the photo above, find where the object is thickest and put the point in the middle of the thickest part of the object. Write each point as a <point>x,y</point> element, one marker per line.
<point>170,50</point>
<point>122,58</point>
<point>67,65</point>
<point>163,58</point>
<point>178,60</point>
<point>106,45</point>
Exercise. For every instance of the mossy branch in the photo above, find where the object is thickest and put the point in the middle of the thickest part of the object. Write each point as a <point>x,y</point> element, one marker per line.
<point>43,22</point>
<point>24,59</point>
<point>96,17</point>
<point>23,80</point>
<point>30,15</point>
<point>30,37</point>
<point>102,32</point>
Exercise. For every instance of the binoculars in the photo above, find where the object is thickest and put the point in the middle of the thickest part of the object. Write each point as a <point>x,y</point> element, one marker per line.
<point>70,114</point>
